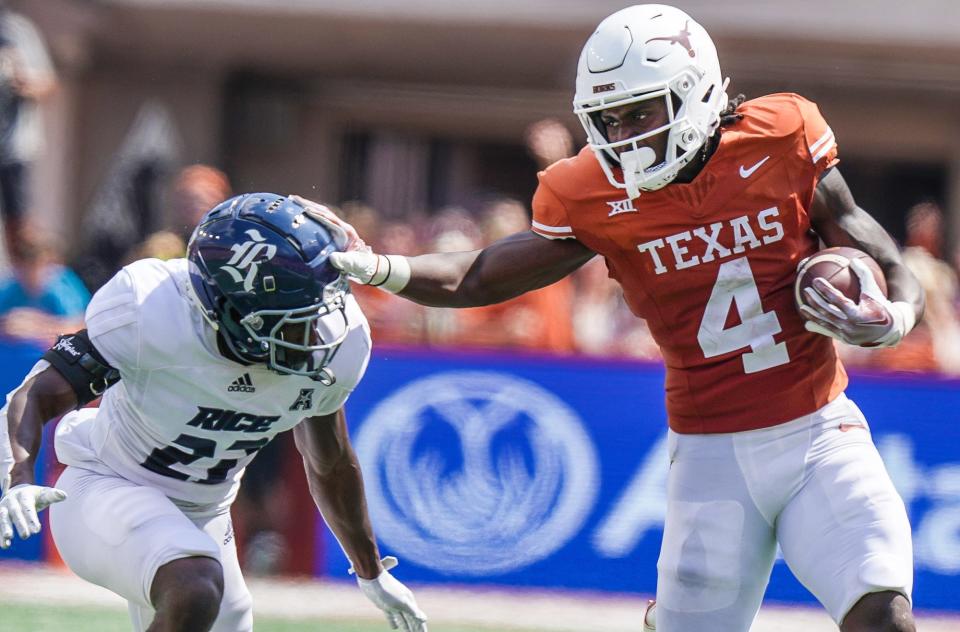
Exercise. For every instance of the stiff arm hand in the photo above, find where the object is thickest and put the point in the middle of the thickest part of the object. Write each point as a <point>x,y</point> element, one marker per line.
<point>357,261</point>
<point>874,321</point>
<point>344,234</point>
<point>395,599</point>
<point>19,507</point>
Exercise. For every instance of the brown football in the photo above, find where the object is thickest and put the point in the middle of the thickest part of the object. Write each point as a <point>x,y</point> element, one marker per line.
<point>833,264</point>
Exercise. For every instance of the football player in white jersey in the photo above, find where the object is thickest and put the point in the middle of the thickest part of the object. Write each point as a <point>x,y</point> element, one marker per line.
<point>201,362</point>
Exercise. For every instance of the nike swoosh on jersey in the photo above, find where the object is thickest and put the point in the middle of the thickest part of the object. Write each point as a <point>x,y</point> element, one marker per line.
<point>746,173</point>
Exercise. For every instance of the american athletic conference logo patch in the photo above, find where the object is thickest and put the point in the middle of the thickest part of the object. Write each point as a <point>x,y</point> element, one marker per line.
<point>476,473</point>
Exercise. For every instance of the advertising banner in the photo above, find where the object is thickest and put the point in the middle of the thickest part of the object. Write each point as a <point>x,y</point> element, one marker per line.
<point>551,472</point>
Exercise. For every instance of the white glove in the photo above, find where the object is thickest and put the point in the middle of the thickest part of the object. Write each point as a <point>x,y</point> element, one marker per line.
<point>394,599</point>
<point>19,507</point>
<point>390,272</point>
<point>873,322</point>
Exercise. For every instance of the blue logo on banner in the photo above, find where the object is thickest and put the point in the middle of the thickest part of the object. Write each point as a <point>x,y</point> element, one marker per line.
<point>476,473</point>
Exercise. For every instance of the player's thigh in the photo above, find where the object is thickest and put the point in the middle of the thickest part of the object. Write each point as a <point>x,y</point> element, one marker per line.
<point>116,534</point>
<point>846,534</point>
<point>717,549</point>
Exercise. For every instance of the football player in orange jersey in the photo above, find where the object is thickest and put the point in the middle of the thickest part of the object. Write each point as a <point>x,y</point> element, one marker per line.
<point>702,208</point>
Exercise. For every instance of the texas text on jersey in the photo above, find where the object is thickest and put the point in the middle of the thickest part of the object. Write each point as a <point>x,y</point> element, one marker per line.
<point>710,265</point>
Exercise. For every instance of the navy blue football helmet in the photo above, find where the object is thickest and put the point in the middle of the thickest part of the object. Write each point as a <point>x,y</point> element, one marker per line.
<point>261,276</point>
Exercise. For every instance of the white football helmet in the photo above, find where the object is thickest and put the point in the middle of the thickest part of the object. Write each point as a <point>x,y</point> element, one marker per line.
<point>650,51</point>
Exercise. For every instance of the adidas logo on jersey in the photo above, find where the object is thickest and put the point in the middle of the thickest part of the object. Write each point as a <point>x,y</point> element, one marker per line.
<point>242,384</point>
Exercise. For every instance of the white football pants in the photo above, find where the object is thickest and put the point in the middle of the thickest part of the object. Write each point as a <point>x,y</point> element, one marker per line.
<point>815,485</point>
<point>116,534</point>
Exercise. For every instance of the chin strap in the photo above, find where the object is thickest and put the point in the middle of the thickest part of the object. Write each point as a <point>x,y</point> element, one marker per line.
<point>634,163</point>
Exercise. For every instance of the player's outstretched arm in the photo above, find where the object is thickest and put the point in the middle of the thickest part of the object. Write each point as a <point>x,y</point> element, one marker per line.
<point>72,373</point>
<point>876,320</point>
<point>503,270</point>
<point>336,484</point>
<point>42,397</point>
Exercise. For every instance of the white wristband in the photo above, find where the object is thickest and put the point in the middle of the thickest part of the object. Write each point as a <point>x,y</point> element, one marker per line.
<point>393,273</point>
<point>904,320</point>
<point>909,317</point>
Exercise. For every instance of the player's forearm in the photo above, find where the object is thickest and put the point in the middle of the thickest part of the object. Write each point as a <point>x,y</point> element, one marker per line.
<point>868,235</point>
<point>338,494</point>
<point>839,221</point>
<point>26,415</point>
<point>25,439</point>
<point>445,280</point>
<point>903,286</point>
<point>503,270</point>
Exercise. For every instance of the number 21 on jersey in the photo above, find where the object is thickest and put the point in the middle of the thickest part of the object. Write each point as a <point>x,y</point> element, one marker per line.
<point>735,284</point>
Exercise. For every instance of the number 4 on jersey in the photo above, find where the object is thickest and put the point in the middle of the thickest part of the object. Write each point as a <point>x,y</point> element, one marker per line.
<point>735,284</point>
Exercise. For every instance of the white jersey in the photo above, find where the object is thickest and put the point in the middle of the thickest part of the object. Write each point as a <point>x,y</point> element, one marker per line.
<point>183,418</point>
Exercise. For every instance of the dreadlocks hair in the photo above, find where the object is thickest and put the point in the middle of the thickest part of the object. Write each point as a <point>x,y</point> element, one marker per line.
<point>729,116</point>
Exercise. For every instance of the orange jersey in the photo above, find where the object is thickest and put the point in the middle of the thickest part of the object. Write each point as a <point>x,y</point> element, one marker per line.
<point>710,265</point>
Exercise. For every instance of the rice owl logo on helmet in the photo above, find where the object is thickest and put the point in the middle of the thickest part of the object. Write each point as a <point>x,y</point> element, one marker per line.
<point>245,256</point>
<point>476,473</point>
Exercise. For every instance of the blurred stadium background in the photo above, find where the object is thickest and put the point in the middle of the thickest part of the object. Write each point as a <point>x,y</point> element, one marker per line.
<point>425,122</point>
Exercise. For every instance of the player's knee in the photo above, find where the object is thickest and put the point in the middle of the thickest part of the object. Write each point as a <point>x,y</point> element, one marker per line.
<point>880,612</point>
<point>190,591</point>
<point>201,598</point>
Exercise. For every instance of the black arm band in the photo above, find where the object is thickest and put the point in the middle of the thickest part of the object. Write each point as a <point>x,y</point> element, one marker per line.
<point>82,366</point>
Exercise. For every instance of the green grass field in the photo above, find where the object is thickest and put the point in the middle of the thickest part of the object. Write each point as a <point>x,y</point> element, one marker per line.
<point>16,617</point>
<point>37,598</point>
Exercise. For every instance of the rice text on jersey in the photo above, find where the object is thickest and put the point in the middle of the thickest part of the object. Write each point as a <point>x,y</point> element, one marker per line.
<point>231,420</point>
